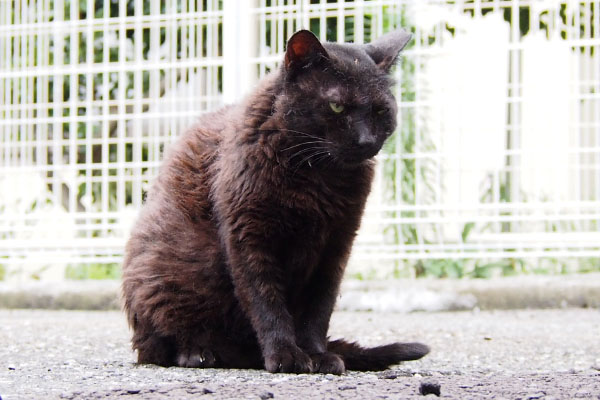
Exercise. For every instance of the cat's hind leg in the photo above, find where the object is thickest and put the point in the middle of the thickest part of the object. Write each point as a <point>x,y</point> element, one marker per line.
<point>154,349</point>
<point>167,352</point>
<point>198,358</point>
<point>200,351</point>
<point>194,349</point>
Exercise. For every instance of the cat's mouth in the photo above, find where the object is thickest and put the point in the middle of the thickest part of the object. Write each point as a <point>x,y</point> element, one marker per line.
<point>357,155</point>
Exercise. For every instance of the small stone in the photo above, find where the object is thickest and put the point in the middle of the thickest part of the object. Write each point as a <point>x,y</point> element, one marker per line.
<point>396,374</point>
<point>133,391</point>
<point>429,388</point>
<point>266,395</point>
<point>12,368</point>
<point>388,375</point>
<point>196,390</point>
<point>347,387</point>
<point>535,396</point>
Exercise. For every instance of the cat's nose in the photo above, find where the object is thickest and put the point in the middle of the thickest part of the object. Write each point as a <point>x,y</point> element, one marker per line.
<point>364,136</point>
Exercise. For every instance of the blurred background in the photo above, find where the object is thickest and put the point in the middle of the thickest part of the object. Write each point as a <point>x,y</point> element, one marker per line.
<point>494,169</point>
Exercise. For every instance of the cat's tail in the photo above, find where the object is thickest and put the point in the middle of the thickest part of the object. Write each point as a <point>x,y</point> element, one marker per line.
<point>378,358</point>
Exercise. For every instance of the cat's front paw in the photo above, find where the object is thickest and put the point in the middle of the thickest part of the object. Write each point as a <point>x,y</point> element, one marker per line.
<point>328,363</point>
<point>288,359</point>
<point>196,359</point>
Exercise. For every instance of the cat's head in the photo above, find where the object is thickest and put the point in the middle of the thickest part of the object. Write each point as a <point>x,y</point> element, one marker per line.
<point>339,95</point>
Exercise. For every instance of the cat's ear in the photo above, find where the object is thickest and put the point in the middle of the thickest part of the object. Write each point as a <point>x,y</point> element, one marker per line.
<point>302,49</point>
<point>384,50</point>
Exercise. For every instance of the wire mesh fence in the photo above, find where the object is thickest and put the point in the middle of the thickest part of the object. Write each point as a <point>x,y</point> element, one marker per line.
<point>495,167</point>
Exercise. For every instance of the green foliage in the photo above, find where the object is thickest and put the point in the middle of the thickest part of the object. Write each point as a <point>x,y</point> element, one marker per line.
<point>401,170</point>
<point>370,275</point>
<point>402,173</point>
<point>486,269</point>
<point>2,272</point>
<point>466,230</point>
<point>498,268</point>
<point>440,268</point>
<point>93,271</point>
<point>101,87</point>
<point>590,264</point>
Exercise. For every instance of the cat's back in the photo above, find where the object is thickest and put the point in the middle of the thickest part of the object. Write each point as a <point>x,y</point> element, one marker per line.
<point>201,142</point>
<point>187,170</point>
<point>178,211</point>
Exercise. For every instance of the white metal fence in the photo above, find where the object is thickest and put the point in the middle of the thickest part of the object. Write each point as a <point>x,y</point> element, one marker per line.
<point>495,165</point>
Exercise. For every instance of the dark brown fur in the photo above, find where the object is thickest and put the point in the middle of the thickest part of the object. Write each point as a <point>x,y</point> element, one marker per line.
<point>237,256</point>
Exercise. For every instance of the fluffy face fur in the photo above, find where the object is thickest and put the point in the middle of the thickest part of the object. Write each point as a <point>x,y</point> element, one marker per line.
<point>237,256</point>
<point>344,101</point>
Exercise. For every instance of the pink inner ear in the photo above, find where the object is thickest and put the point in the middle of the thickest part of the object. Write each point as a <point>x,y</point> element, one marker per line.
<point>300,48</point>
<point>385,63</point>
<point>301,45</point>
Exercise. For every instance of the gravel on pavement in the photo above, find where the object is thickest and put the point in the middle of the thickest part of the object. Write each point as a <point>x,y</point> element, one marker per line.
<point>524,354</point>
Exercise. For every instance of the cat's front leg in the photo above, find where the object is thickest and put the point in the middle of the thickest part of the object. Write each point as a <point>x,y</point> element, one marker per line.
<point>259,288</point>
<point>313,323</point>
<point>288,358</point>
<point>319,300</point>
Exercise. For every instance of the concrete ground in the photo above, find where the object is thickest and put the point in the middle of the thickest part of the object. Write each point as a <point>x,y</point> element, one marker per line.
<point>395,295</point>
<point>518,354</point>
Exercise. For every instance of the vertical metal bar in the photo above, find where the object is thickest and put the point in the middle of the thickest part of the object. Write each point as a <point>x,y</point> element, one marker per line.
<point>138,98</point>
<point>4,65</point>
<point>58,104</point>
<point>90,105</point>
<point>171,74</point>
<point>15,95</point>
<point>305,14</point>
<point>595,100</point>
<point>341,21</point>
<point>30,87</point>
<point>239,46</point>
<point>155,124</point>
<point>262,35</point>
<point>105,121</point>
<point>73,100</point>
<point>397,157</point>
<point>322,21</point>
<point>280,16</point>
<point>420,214</point>
<point>359,22</point>
<point>515,182</point>
<point>121,110</point>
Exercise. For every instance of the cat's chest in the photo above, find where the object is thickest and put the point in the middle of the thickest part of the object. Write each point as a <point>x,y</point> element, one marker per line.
<point>326,196</point>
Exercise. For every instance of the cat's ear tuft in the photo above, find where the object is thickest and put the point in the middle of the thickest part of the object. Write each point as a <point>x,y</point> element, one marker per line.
<point>384,50</point>
<point>302,49</point>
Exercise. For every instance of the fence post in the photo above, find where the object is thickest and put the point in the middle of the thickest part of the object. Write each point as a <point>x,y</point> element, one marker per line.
<point>240,38</point>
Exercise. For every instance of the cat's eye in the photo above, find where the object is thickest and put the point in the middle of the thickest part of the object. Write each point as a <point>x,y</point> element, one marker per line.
<point>335,107</point>
<point>381,111</point>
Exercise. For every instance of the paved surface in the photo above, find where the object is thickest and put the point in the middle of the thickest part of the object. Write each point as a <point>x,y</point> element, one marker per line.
<point>527,354</point>
<point>537,291</point>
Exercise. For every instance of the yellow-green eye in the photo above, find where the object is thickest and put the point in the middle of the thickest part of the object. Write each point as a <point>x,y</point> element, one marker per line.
<point>335,107</point>
<point>381,112</point>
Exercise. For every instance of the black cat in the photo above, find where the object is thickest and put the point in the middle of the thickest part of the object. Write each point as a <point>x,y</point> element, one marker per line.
<point>238,254</point>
